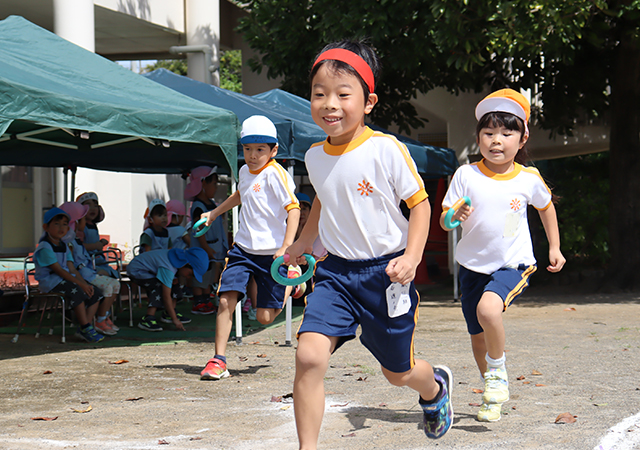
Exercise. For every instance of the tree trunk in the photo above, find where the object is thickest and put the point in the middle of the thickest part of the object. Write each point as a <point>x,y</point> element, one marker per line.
<point>624,216</point>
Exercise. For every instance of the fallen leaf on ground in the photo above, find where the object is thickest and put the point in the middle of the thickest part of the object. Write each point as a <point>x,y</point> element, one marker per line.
<point>162,442</point>
<point>262,355</point>
<point>520,378</point>
<point>566,418</point>
<point>477,391</point>
<point>535,372</point>
<point>625,349</point>
<point>243,358</point>
<point>286,407</point>
<point>600,404</point>
<point>254,342</point>
<point>339,406</point>
<point>195,439</point>
<point>349,435</point>
<point>540,385</point>
<point>362,379</point>
<point>289,395</point>
<point>569,309</point>
<point>44,418</point>
<point>120,361</point>
<point>513,407</point>
<point>526,382</point>
<point>276,399</point>
<point>46,372</point>
<point>86,410</point>
<point>133,399</point>
<point>475,404</point>
<point>382,404</point>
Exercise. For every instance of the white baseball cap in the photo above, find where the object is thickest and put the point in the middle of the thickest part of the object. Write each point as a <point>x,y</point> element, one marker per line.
<point>258,130</point>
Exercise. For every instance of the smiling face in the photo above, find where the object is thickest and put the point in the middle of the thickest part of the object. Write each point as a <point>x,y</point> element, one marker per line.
<point>57,228</point>
<point>256,156</point>
<point>499,147</point>
<point>338,104</point>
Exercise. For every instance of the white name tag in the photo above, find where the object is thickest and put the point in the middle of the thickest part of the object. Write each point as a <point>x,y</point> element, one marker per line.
<point>398,299</point>
<point>512,220</point>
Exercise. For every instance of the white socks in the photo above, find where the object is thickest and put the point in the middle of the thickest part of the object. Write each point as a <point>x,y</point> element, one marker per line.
<point>495,363</point>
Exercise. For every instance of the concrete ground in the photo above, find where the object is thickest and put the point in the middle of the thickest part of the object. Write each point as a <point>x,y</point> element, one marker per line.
<point>566,353</point>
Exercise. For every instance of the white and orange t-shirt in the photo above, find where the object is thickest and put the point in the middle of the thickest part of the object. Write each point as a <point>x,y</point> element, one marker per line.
<point>496,234</point>
<point>266,195</point>
<point>360,185</point>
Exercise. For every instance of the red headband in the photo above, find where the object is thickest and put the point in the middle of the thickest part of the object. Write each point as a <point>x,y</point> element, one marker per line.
<point>355,61</point>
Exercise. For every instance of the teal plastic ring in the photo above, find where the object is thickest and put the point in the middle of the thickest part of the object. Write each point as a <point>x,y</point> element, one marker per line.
<point>197,225</point>
<point>311,261</point>
<point>447,218</point>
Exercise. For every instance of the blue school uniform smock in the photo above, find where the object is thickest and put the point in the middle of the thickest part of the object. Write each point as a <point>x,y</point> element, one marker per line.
<point>44,257</point>
<point>216,236</point>
<point>175,236</point>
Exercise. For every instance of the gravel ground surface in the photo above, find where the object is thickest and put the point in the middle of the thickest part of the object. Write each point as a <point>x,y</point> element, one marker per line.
<point>578,354</point>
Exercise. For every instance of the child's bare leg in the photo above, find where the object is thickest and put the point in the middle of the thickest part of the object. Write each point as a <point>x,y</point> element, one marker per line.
<point>267,315</point>
<point>105,305</point>
<point>419,378</point>
<point>479,348</point>
<point>84,314</point>
<point>489,313</point>
<point>312,360</point>
<point>224,320</point>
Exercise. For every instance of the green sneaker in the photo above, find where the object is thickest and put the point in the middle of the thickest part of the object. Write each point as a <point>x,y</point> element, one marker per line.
<point>490,413</point>
<point>496,386</point>
<point>149,323</point>
<point>166,318</point>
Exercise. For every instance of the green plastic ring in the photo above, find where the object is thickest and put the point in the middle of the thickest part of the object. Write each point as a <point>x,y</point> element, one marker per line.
<point>311,261</point>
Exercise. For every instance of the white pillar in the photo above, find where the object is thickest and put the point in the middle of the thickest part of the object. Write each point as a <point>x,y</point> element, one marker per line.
<point>74,20</point>
<point>203,28</point>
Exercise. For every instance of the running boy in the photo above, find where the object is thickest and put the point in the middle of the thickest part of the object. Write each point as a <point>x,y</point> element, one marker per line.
<point>360,176</point>
<point>495,252</point>
<point>56,272</point>
<point>268,223</point>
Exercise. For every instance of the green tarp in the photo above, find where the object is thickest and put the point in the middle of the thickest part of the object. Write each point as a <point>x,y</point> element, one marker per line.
<point>61,105</point>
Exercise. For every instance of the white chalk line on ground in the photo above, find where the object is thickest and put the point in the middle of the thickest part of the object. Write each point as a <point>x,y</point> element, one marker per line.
<point>623,436</point>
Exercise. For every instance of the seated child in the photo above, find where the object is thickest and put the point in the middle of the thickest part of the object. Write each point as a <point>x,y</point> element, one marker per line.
<point>202,187</point>
<point>55,272</point>
<point>155,271</point>
<point>110,287</point>
<point>155,235</point>
<point>91,236</point>
<point>178,235</point>
<point>268,223</point>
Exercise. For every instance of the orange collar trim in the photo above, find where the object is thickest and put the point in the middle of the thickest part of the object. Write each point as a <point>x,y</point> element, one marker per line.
<point>517,168</point>
<point>337,150</point>
<point>270,163</point>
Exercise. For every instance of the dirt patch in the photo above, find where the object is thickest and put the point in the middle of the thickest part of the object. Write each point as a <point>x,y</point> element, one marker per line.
<point>585,348</point>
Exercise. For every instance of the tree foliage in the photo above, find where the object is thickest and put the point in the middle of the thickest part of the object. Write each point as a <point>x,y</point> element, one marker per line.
<point>230,69</point>
<point>581,58</point>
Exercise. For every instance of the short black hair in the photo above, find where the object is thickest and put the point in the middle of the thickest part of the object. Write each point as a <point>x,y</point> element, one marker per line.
<point>360,48</point>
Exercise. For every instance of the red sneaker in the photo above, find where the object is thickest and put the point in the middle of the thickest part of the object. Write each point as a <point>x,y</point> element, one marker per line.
<point>214,370</point>
<point>204,308</point>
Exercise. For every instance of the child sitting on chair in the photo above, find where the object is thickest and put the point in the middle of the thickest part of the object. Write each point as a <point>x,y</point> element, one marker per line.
<point>55,272</point>
<point>178,235</point>
<point>155,235</point>
<point>110,287</point>
<point>155,271</point>
<point>91,236</point>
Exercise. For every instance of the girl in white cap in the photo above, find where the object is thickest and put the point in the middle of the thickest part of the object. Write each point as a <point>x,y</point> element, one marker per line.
<point>496,253</point>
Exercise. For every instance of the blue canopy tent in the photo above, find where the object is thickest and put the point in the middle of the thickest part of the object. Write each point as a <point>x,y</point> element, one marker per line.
<point>292,117</point>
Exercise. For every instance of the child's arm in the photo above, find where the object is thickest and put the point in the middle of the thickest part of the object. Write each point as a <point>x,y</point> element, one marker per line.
<point>550,224</point>
<point>461,214</point>
<point>168,306</point>
<point>232,201</point>
<point>403,268</point>
<point>309,233</point>
<point>96,245</point>
<point>187,239</point>
<point>58,270</point>
<point>293,218</point>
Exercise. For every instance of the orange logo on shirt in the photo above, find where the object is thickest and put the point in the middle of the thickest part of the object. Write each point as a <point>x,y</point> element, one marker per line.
<point>365,188</point>
<point>515,204</point>
<point>256,187</point>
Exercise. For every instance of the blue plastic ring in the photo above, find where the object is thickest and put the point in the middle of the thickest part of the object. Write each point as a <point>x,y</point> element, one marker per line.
<point>197,225</point>
<point>447,218</point>
<point>311,261</point>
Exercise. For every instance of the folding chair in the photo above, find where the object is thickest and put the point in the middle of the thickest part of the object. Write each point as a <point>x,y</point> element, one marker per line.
<point>32,294</point>
<point>113,256</point>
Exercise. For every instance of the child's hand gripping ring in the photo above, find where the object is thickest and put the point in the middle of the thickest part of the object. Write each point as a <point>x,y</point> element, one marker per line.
<point>198,224</point>
<point>447,218</point>
<point>311,261</point>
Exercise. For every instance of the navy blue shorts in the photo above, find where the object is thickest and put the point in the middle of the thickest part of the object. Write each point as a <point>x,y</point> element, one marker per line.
<point>239,268</point>
<point>75,296</point>
<point>153,288</point>
<point>348,293</point>
<point>508,283</point>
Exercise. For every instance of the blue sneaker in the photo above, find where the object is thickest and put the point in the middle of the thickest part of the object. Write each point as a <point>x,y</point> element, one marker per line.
<point>89,334</point>
<point>438,416</point>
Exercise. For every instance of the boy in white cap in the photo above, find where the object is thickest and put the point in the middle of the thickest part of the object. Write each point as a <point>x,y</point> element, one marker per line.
<point>496,253</point>
<point>268,223</point>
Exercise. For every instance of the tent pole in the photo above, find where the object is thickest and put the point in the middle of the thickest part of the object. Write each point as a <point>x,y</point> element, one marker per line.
<point>234,222</point>
<point>289,306</point>
<point>73,183</point>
